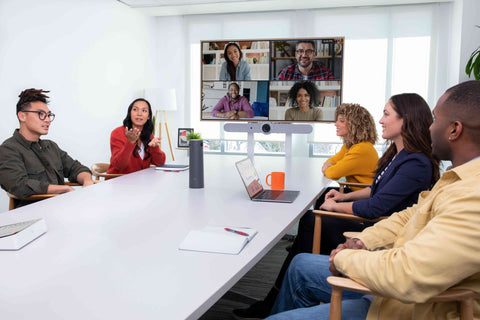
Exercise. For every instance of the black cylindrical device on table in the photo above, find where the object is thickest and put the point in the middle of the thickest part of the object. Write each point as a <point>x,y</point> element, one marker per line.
<point>196,163</point>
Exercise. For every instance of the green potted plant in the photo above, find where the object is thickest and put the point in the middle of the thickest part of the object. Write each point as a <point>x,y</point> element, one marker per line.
<point>473,64</point>
<point>282,47</point>
<point>194,136</point>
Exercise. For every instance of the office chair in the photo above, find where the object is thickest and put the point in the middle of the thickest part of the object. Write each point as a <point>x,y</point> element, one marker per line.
<point>464,297</point>
<point>100,170</point>
<point>317,233</point>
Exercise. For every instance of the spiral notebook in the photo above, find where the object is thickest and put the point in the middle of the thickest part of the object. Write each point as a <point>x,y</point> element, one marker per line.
<point>218,239</point>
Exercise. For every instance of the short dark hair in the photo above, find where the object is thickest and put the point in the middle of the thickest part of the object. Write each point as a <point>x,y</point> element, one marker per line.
<point>309,86</point>
<point>306,41</point>
<point>463,100</point>
<point>31,95</point>
<point>234,83</point>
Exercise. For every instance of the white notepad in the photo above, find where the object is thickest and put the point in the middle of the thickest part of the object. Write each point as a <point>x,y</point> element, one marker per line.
<point>17,235</point>
<point>217,240</point>
<point>172,167</point>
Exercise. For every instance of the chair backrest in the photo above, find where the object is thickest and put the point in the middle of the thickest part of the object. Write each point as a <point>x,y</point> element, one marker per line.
<point>100,170</point>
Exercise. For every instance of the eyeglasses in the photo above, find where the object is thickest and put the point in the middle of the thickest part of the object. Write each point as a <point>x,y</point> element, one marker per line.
<point>42,114</point>
<point>308,51</point>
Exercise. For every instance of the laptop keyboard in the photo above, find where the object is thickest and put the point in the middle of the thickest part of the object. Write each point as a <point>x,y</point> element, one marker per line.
<point>270,194</point>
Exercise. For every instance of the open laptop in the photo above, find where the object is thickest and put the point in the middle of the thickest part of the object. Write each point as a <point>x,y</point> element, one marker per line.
<point>255,189</point>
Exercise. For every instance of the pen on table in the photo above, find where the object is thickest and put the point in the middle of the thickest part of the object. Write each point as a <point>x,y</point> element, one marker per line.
<point>237,232</point>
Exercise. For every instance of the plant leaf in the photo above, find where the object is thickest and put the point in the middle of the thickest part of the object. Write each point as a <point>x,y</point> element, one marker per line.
<point>473,63</point>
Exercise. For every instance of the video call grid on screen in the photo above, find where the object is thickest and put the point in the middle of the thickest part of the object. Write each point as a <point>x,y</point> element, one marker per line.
<point>267,70</point>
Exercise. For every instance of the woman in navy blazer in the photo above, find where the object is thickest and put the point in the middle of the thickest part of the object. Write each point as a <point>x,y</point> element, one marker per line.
<point>405,169</point>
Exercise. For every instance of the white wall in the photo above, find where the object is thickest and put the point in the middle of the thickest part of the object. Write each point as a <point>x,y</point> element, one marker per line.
<point>95,56</point>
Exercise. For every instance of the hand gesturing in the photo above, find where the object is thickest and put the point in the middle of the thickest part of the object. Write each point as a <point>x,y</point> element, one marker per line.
<point>155,142</point>
<point>132,134</point>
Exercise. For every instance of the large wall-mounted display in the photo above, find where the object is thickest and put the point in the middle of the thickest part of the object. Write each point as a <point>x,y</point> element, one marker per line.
<point>280,80</point>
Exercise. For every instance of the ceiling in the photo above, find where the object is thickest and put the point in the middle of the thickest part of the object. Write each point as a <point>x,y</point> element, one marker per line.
<point>188,7</point>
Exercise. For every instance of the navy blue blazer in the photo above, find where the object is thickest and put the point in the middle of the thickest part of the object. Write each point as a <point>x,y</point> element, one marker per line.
<point>398,188</point>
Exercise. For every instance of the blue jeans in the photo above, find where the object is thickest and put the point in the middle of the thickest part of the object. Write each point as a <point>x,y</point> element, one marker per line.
<point>305,286</point>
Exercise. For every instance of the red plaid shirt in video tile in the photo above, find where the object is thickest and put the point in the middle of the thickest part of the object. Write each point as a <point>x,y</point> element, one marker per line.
<point>317,72</point>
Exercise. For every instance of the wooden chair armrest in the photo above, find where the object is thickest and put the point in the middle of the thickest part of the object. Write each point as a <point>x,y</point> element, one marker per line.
<point>73,184</point>
<point>348,284</point>
<point>345,216</point>
<point>464,296</point>
<point>447,295</point>
<point>317,230</point>
<point>343,184</point>
<point>34,196</point>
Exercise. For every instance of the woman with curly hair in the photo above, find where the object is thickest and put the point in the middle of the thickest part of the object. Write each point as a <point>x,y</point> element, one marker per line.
<point>405,169</point>
<point>234,68</point>
<point>303,97</point>
<point>357,158</point>
<point>133,145</point>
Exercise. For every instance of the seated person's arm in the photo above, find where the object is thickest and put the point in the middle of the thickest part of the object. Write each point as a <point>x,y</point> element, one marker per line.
<point>333,161</point>
<point>219,108</point>
<point>158,156</point>
<point>289,115</point>
<point>408,181</point>
<point>384,233</point>
<point>452,233</point>
<point>326,165</point>
<point>349,163</point>
<point>85,178</point>
<point>16,179</point>
<point>74,170</point>
<point>246,109</point>
<point>56,188</point>
<point>228,114</point>
<point>121,150</point>
<point>342,202</point>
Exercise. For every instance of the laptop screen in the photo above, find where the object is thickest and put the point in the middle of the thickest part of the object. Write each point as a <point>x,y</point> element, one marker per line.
<point>249,177</point>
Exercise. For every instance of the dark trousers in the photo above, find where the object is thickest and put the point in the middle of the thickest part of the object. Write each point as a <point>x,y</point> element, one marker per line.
<point>332,236</point>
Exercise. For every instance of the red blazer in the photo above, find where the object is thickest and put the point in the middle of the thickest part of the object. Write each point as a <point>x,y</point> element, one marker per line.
<point>123,161</point>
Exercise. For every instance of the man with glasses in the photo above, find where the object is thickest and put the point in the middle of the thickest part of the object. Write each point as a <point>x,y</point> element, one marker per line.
<point>30,165</point>
<point>305,68</point>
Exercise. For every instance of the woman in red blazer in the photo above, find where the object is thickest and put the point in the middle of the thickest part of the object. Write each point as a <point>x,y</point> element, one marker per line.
<point>133,145</point>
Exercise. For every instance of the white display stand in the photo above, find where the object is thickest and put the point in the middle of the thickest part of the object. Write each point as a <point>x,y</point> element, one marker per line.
<point>267,128</point>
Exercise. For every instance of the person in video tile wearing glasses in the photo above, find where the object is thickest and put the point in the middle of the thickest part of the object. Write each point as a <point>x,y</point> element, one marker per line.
<point>305,68</point>
<point>30,165</point>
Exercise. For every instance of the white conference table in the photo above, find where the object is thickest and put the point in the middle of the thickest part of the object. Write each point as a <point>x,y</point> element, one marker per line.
<point>111,250</point>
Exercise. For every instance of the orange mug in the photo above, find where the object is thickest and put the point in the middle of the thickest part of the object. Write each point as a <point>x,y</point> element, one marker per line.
<point>277,180</point>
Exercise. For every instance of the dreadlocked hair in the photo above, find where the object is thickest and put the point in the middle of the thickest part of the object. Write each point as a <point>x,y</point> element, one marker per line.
<point>31,95</point>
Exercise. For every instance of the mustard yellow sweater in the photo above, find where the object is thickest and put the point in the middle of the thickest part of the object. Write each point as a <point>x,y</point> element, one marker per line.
<point>355,164</point>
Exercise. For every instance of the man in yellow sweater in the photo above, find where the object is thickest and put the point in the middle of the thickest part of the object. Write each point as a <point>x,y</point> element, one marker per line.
<point>416,253</point>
